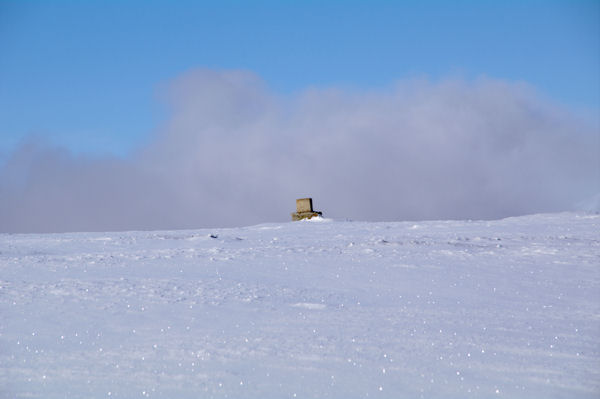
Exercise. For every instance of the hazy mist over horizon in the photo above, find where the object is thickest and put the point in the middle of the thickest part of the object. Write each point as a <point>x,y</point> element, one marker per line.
<point>233,152</point>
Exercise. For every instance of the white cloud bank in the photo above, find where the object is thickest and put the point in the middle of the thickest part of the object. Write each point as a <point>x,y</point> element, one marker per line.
<point>233,153</point>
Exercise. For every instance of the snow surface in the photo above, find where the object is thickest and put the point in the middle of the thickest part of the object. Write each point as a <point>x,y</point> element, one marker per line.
<point>329,309</point>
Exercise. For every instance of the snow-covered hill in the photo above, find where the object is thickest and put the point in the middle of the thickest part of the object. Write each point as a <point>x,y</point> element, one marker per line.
<point>312,309</point>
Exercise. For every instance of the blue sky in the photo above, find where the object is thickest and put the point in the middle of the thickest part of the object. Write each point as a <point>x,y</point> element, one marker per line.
<point>120,115</point>
<point>88,75</point>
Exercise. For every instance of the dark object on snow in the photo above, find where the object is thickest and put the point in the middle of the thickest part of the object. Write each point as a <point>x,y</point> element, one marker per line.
<point>304,209</point>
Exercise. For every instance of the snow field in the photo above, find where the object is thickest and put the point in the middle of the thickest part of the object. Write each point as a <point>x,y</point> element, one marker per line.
<point>311,309</point>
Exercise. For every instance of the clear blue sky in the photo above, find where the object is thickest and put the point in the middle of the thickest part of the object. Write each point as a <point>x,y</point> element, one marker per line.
<point>86,74</point>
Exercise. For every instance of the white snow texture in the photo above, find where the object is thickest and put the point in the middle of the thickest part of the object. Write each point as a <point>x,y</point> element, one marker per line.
<point>438,309</point>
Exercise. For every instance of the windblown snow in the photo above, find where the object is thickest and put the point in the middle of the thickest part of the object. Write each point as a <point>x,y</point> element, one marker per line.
<point>326,309</point>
